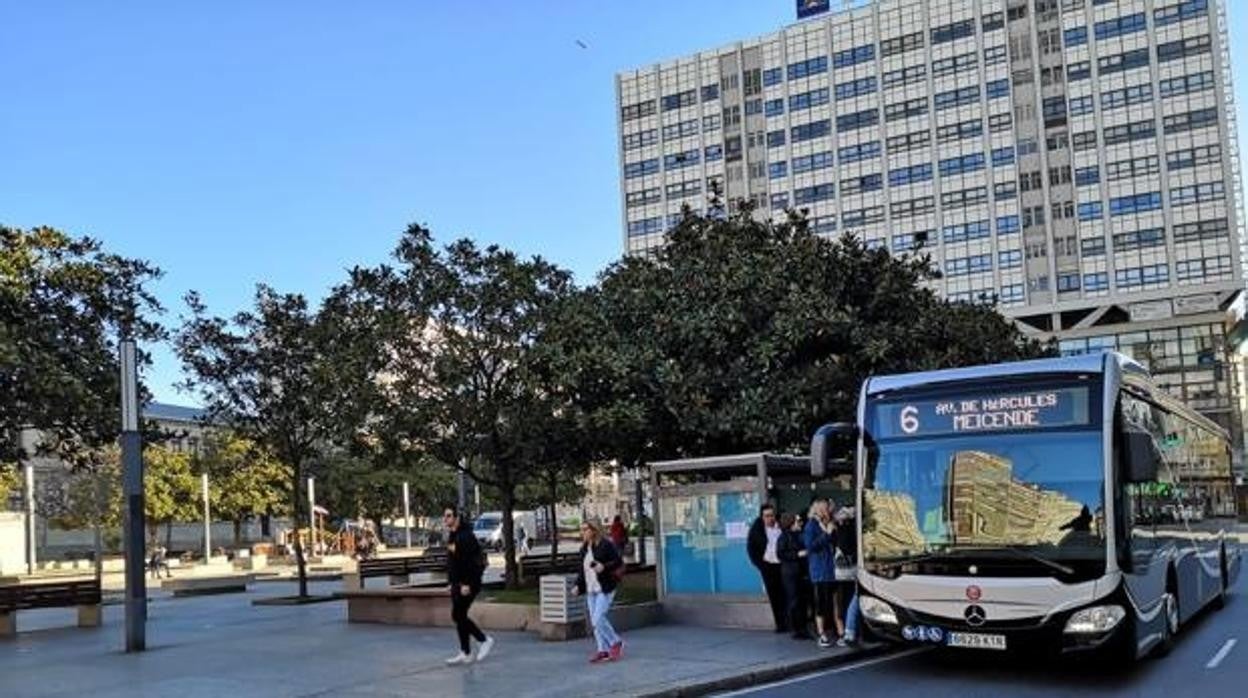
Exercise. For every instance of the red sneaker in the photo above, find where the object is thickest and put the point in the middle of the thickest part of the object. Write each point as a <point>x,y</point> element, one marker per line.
<point>599,658</point>
<point>617,650</point>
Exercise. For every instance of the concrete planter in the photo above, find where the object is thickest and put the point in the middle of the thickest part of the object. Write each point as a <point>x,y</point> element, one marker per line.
<point>431,608</point>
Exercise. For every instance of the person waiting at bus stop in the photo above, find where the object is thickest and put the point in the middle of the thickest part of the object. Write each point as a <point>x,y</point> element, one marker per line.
<point>761,545</point>
<point>820,540</point>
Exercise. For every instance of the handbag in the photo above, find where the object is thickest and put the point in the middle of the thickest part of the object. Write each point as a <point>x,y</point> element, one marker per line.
<point>846,571</point>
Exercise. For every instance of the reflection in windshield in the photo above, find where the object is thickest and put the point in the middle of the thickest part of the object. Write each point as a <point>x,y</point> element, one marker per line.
<point>1041,490</point>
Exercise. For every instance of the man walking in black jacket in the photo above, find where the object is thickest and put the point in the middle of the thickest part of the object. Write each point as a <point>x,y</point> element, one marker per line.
<point>465,567</point>
<point>761,545</point>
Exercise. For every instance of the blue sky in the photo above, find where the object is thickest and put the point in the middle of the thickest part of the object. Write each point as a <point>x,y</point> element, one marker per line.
<point>235,142</point>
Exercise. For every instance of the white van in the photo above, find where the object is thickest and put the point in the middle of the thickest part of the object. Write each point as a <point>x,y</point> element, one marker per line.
<point>488,528</point>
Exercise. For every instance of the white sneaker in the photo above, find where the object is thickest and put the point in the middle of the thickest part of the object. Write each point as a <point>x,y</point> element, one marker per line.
<point>461,658</point>
<point>484,650</point>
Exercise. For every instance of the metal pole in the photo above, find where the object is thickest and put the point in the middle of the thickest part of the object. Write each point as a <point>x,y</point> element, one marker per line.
<point>132,483</point>
<point>641,519</point>
<point>31,537</point>
<point>207,520</point>
<point>463,491</point>
<point>312,514</point>
<point>407,514</point>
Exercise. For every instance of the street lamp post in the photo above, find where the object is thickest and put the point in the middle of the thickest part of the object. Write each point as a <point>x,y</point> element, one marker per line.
<point>207,520</point>
<point>407,515</point>
<point>27,441</point>
<point>312,514</point>
<point>132,486</point>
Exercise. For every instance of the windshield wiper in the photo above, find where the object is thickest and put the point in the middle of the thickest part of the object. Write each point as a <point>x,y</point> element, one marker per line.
<point>1024,553</point>
<point>898,562</point>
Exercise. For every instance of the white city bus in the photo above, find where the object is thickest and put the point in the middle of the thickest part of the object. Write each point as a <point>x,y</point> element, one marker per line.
<point>1044,504</point>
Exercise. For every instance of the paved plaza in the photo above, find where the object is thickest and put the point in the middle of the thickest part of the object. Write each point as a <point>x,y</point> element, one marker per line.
<point>224,646</point>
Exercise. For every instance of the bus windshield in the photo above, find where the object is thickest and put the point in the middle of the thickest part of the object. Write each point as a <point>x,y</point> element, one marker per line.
<point>989,474</point>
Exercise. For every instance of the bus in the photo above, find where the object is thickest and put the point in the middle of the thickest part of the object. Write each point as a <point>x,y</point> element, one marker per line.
<point>1046,504</point>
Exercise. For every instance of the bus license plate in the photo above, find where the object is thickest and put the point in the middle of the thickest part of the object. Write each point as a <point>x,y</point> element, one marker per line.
<point>977,641</point>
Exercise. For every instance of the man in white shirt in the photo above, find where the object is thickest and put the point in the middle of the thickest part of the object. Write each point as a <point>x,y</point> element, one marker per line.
<point>761,546</point>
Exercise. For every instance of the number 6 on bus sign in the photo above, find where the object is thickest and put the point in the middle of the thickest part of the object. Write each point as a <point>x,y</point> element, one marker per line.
<point>909,419</point>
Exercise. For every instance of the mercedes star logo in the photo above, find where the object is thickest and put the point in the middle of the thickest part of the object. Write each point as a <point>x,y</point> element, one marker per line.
<point>975,616</point>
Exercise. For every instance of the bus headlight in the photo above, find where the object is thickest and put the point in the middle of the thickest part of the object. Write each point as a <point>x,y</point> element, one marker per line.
<point>876,610</point>
<point>1095,620</point>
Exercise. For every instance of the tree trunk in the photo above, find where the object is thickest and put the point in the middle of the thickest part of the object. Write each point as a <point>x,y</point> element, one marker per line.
<point>509,535</point>
<point>169,535</point>
<point>238,532</point>
<point>297,510</point>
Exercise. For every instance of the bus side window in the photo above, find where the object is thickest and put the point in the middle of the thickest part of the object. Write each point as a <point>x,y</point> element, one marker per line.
<point>1140,501</point>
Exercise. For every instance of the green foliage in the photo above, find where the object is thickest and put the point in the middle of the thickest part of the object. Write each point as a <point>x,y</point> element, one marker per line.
<point>63,303</point>
<point>245,480</point>
<point>10,482</point>
<point>743,336</point>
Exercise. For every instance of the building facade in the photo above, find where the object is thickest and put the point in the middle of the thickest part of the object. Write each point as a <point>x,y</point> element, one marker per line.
<point>1073,161</point>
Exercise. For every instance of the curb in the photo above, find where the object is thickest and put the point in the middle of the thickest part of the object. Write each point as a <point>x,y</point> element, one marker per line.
<point>768,674</point>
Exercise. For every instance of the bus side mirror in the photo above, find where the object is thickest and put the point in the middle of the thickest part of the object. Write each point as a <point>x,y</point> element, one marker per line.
<point>1143,459</point>
<point>832,449</point>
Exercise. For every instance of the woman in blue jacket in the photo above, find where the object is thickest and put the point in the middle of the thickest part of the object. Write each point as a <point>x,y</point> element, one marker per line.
<point>820,539</point>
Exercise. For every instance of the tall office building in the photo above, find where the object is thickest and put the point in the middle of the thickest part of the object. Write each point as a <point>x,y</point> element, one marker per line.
<point>1074,159</point>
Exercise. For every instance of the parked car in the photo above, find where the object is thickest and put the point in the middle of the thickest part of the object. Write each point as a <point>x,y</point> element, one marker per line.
<point>488,527</point>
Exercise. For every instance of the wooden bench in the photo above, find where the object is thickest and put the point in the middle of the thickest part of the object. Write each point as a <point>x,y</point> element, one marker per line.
<point>398,569</point>
<point>535,566</point>
<point>217,584</point>
<point>81,593</point>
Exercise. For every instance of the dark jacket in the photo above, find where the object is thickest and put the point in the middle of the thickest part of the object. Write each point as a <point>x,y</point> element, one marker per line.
<point>464,559</point>
<point>788,549</point>
<point>847,540</point>
<point>820,552</point>
<point>756,542</point>
<point>606,555</point>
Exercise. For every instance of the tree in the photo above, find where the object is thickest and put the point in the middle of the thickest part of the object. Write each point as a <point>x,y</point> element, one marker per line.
<point>285,377</point>
<point>244,479</point>
<point>741,335</point>
<point>170,488</point>
<point>464,388</point>
<point>64,302</point>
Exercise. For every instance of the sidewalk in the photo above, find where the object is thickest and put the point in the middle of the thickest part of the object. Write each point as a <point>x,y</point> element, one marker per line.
<point>223,646</point>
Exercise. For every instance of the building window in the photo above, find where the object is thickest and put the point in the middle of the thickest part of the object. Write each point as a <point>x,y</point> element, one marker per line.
<point>1007,225</point>
<point>1096,281</point>
<point>1091,211</point>
<point>1192,46</point>
<point>1125,133</point>
<point>903,176</point>
<point>862,185</point>
<point>637,111</point>
<point>1197,193</point>
<point>964,198</point>
<point>1193,157</point>
<point>1120,26</point>
<point>810,163</point>
<point>998,88</point>
<point>1009,259</point>
<point>1208,268</point>
<point>1179,12</point>
<point>1080,70</point>
<point>713,153</point>
<point>859,152</point>
<point>775,139</point>
<point>815,194</point>
<point>814,129</point>
<point>963,266</point>
<point>1077,36</point>
<point>909,242</point>
<point>1087,175</point>
<point>774,107</point>
<point>1003,156</point>
<point>641,168</point>
<point>1067,282</point>
<point>680,99</point>
<point>909,141</point>
<point>808,67</point>
<point>1134,203</point>
<point>913,207</point>
<point>907,109</point>
<point>776,170</point>
<point>973,128</point>
<point>994,55</point>
<point>806,100</point>
<point>632,141</point>
<point>1081,105</point>
<point>1131,277</point>
<point>953,31</point>
<point>957,97</point>
<point>954,64</point>
<point>772,76</point>
<point>1117,63</point>
<point>1092,247</point>
<point>901,44</point>
<point>1184,84</point>
<point>1139,239</point>
<point>680,130</point>
<point>1213,229</point>
<point>1131,168</point>
<point>905,76</point>
<point>1190,121</point>
<point>961,164</point>
<point>854,56</point>
<point>677,161</point>
<point>857,120</point>
<point>963,232</point>
<point>856,88</point>
<point>710,93</point>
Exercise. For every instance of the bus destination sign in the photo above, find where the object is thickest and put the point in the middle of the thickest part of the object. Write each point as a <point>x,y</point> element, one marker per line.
<point>987,412</point>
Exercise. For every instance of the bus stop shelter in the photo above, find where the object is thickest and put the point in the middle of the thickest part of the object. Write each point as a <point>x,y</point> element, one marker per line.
<point>704,508</point>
